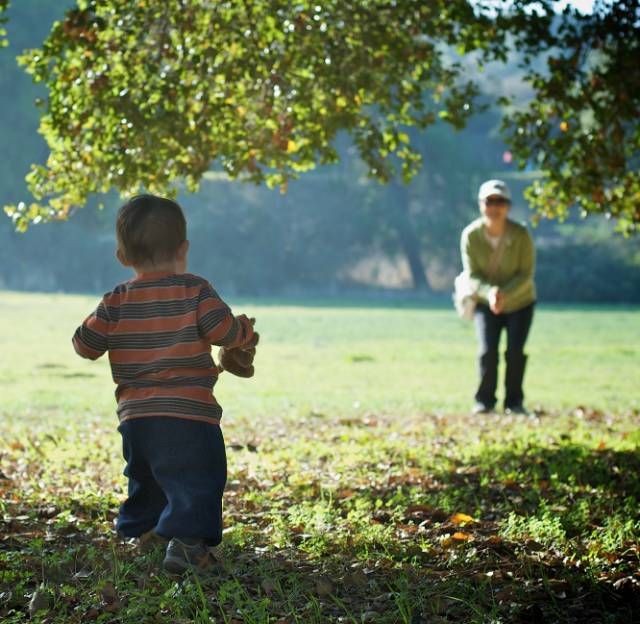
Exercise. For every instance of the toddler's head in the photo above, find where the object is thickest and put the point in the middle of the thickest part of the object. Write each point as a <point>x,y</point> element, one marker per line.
<point>152,233</point>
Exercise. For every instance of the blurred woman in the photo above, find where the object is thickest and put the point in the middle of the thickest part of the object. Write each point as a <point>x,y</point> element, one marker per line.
<point>498,258</point>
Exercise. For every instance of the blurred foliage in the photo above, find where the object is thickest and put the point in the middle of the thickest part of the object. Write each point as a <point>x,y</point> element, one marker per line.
<point>581,262</point>
<point>3,20</point>
<point>20,143</point>
<point>581,127</point>
<point>309,239</point>
<point>146,95</point>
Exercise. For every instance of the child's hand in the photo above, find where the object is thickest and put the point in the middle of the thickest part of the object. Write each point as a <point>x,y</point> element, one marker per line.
<point>239,361</point>
<point>254,339</point>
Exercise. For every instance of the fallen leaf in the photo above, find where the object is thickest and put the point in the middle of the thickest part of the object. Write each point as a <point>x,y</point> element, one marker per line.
<point>424,512</point>
<point>457,538</point>
<point>344,493</point>
<point>627,582</point>
<point>407,529</point>
<point>533,545</point>
<point>418,509</point>
<point>113,607</point>
<point>108,593</point>
<point>356,579</point>
<point>82,574</point>
<point>460,519</point>
<point>324,587</point>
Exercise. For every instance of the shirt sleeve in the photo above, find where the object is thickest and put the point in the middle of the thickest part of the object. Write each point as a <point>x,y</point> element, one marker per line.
<point>477,279</point>
<point>218,325</point>
<point>90,339</point>
<point>526,268</point>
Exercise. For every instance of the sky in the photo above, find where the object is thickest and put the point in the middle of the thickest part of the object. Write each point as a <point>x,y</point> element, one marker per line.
<point>584,6</point>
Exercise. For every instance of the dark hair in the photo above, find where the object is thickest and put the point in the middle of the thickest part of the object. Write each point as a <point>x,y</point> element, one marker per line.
<point>150,229</point>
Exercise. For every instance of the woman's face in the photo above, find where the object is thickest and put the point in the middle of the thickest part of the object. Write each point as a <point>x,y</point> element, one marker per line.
<point>495,208</point>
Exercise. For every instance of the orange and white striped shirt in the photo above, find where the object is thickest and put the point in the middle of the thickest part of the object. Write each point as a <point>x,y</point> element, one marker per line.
<point>158,329</point>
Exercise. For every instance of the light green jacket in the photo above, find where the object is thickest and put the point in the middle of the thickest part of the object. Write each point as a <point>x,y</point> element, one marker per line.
<point>513,275</point>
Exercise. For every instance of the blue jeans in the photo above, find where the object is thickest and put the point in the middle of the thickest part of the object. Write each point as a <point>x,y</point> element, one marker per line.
<point>488,328</point>
<point>177,471</point>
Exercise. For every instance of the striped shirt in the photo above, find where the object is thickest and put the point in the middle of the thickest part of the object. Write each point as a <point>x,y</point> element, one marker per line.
<point>158,329</point>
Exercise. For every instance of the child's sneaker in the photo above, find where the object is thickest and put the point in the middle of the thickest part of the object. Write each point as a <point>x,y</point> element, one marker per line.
<point>188,555</point>
<point>150,541</point>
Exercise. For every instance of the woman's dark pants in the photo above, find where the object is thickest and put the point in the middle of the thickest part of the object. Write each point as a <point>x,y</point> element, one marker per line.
<point>177,470</point>
<point>488,328</point>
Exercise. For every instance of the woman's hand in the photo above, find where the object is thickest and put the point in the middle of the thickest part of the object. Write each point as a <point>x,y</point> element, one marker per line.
<point>496,300</point>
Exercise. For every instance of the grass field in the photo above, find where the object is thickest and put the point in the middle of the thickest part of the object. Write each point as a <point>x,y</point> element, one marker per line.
<point>349,360</point>
<point>360,490</point>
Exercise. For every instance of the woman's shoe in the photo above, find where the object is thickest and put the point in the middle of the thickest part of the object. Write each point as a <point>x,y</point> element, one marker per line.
<point>516,410</point>
<point>481,408</point>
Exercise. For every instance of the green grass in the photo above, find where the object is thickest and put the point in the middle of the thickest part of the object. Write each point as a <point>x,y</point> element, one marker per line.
<point>332,360</point>
<point>359,487</point>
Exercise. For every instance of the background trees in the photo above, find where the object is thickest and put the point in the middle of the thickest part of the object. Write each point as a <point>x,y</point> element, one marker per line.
<point>147,94</point>
<point>581,127</point>
<point>335,228</point>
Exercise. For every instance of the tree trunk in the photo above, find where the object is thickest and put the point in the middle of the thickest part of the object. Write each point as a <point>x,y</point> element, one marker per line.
<point>401,221</point>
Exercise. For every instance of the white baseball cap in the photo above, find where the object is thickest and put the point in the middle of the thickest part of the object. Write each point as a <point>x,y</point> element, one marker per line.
<point>494,187</point>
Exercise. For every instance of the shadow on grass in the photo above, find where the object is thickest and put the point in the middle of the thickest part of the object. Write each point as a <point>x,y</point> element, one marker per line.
<point>520,535</point>
<point>568,520</point>
<point>555,536</point>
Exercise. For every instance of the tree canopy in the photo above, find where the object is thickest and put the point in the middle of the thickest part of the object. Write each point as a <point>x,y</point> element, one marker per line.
<point>3,32</point>
<point>581,127</point>
<point>145,94</point>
